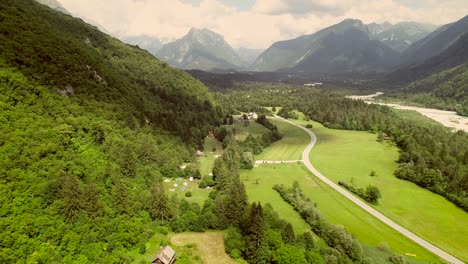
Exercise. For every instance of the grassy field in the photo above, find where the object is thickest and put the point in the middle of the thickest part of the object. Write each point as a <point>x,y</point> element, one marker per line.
<point>209,244</point>
<point>346,155</point>
<point>206,163</point>
<point>242,131</point>
<point>335,207</point>
<point>290,147</point>
<point>186,254</point>
<point>259,189</point>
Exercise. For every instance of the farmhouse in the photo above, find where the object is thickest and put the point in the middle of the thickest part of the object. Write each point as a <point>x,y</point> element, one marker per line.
<point>166,255</point>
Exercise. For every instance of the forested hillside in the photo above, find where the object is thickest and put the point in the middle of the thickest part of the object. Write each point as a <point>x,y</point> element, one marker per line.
<point>89,126</point>
<point>75,179</point>
<point>453,56</point>
<point>448,89</point>
<point>61,51</point>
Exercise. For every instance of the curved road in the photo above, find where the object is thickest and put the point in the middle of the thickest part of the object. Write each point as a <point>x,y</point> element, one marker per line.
<point>305,158</point>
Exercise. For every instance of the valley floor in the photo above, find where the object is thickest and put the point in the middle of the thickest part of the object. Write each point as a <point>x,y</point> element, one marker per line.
<point>427,214</point>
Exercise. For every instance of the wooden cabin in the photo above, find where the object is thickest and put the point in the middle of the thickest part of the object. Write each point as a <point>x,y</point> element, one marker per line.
<point>166,255</point>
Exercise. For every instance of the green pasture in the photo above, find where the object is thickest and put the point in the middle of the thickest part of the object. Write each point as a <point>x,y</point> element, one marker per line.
<point>290,147</point>
<point>352,155</point>
<point>334,206</point>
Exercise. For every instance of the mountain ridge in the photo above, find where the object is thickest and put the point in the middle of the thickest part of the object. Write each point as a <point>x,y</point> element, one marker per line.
<point>200,49</point>
<point>401,35</point>
<point>436,42</point>
<point>344,47</point>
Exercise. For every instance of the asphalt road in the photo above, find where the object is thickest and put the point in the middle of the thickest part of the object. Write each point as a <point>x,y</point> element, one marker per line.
<point>305,158</point>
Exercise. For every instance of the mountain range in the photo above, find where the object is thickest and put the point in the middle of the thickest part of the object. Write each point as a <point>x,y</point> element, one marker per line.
<point>345,47</point>
<point>445,48</point>
<point>401,35</point>
<point>200,49</point>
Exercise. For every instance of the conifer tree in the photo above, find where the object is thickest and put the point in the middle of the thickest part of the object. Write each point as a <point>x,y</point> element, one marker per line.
<point>120,197</point>
<point>72,197</point>
<point>159,207</point>
<point>288,234</point>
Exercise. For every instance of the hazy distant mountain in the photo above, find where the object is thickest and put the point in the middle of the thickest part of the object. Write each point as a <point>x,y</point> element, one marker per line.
<point>200,49</point>
<point>453,56</point>
<point>248,56</point>
<point>375,28</point>
<point>344,47</point>
<point>436,42</point>
<point>401,35</point>
<point>151,44</point>
<point>54,5</point>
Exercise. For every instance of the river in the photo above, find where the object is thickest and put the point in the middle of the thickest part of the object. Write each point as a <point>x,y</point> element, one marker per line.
<point>447,118</point>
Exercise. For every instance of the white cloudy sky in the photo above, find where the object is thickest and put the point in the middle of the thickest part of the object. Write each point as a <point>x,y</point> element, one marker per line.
<point>254,23</point>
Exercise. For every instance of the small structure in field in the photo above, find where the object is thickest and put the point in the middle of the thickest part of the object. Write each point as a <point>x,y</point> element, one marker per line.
<point>166,255</point>
<point>182,167</point>
<point>313,84</point>
<point>200,153</point>
<point>252,116</point>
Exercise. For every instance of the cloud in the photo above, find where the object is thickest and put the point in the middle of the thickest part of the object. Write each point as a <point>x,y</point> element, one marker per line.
<point>299,7</point>
<point>266,22</point>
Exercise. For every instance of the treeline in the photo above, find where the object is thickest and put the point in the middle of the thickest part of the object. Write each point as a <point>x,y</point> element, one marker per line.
<point>431,156</point>
<point>371,194</point>
<point>345,247</point>
<point>251,145</point>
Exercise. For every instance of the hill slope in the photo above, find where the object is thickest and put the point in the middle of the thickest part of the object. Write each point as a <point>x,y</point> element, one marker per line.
<point>449,89</point>
<point>453,56</point>
<point>89,126</point>
<point>200,49</point>
<point>63,52</point>
<point>54,5</point>
<point>436,42</point>
<point>344,47</point>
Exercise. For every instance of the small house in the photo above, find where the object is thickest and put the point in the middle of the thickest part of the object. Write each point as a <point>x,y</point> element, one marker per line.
<point>166,255</point>
<point>200,153</point>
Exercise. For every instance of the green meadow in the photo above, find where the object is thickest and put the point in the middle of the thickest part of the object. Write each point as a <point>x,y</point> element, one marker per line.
<point>338,209</point>
<point>241,131</point>
<point>290,147</point>
<point>352,155</point>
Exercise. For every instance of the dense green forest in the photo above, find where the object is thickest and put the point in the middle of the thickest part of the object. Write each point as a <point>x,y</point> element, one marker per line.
<point>75,58</point>
<point>88,128</point>
<point>448,90</point>
<point>75,179</point>
<point>431,156</point>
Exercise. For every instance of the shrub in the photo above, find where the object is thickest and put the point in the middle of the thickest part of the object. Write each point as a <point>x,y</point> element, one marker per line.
<point>397,259</point>
<point>309,126</point>
<point>188,194</point>
<point>202,185</point>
